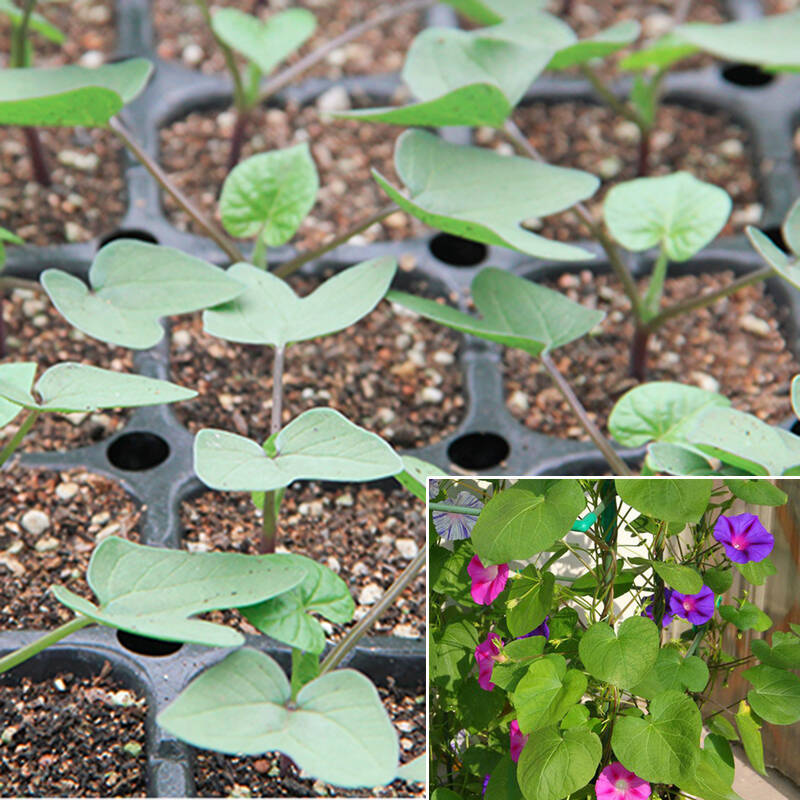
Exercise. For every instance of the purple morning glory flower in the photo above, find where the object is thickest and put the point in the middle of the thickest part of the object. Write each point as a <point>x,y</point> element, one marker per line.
<point>451,525</point>
<point>485,784</point>
<point>744,538</point>
<point>666,620</point>
<point>540,630</point>
<point>697,608</point>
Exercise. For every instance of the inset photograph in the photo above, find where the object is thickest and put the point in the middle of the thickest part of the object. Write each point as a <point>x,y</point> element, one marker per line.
<point>614,638</point>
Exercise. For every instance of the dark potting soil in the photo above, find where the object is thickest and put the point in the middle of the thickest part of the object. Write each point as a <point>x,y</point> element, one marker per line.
<point>72,737</point>
<point>88,28</point>
<point>779,6</point>
<point>735,347</point>
<point>392,373</point>
<point>37,332</point>
<point>217,775</point>
<point>194,151</point>
<point>365,535</point>
<point>712,147</point>
<point>49,524</point>
<point>182,34</point>
<point>87,197</point>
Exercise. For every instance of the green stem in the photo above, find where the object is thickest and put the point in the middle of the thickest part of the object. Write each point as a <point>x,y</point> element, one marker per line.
<point>260,253</point>
<point>239,94</point>
<point>19,37</point>
<point>30,650</point>
<point>608,525</point>
<point>451,509</point>
<point>11,447</point>
<point>609,98</point>
<point>340,650</point>
<point>655,288</point>
<point>215,233</point>
<point>290,267</point>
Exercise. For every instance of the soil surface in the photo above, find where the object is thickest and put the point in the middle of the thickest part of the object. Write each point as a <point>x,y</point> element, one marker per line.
<point>734,347</point>
<point>780,6</point>
<point>88,28</point>
<point>182,35</point>
<point>365,535</point>
<point>217,775</point>
<point>72,737</point>
<point>713,147</point>
<point>87,197</point>
<point>37,332</point>
<point>194,151</point>
<point>393,374</point>
<point>49,524</point>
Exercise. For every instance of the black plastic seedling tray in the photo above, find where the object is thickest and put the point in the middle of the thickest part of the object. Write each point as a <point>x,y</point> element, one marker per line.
<point>152,456</point>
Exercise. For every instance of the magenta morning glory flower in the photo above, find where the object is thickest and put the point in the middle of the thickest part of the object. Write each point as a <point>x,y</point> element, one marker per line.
<point>487,582</point>
<point>486,654</point>
<point>666,620</point>
<point>617,783</point>
<point>451,525</point>
<point>518,740</point>
<point>697,608</point>
<point>744,538</point>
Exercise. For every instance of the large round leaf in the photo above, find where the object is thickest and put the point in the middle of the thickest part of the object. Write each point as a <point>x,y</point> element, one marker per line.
<point>669,499</point>
<point>775,695</point>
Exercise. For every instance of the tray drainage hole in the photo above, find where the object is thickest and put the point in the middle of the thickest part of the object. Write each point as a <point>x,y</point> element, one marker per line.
<point>138,451</point>
<point>747,75</point>
<point>456,251</point>
<point>478,450</point>
<point>129,233</point>
<point>145,646</point>
<point>795,429</point>
<point>776,235</point>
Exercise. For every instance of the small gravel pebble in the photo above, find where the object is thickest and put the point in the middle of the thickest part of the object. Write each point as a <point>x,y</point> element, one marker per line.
<point>35,522</point>
<point>407,548</point>
<point>370,594</point>
<point>66,491</point>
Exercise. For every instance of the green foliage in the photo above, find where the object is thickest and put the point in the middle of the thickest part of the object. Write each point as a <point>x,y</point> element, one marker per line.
<point>269,312</point>
<point>514,312</point>
<point>669,499</point>
<point>529,601</point>
<point>132,285</point>
<point>335,728</point>
<point>320,444</point>
<point>783,654</point>
<point>416,474</point>
<point>69,96</point>
<point>36,22</point>
<point>6,236</point>
<point>673,672</point>
<point>502,191</point>
<point>270,194</point>
<point>760,493</point>
<point>152,591</point>
<point>750,733</point>
<point>757,572</point>
<point>678,576</point>
<point>775,695</point>
<point>746,617</point>
<point>601,45</point>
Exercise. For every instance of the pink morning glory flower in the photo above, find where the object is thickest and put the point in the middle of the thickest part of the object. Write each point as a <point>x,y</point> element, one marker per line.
<point>617,783</point>
<point>451,525</point>
<point>697,608</point>
<point>518,740</point>
<point>486,654</point>
<point>744,538</point>
<point>666,620</point>
<point>487,582</point>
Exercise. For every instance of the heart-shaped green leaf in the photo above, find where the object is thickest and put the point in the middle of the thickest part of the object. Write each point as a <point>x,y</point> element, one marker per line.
<point>677,212</point>
<point>784,653</point>
<point>678,576</point>
<point>480,195</point>
<point>416,474</point>
<point>664,747</point>
<point>750,733</point>
<point>268,43</point>
<point>757,492</point>
<point>601,45</point>
<point>672,671</point>
<point>70,387</point>
<point>659,411</point>
<point>70,96</point>
<point>270,194</point>
<point>660,54</point>
<point>717,579</point>
<point>623,657</point>
<point>452,653</point>
<point>17,377</point>
<point>269,312</point>
<point>336,729</point>
<point>757,572</point>
<point>287,617</point>
<point>515,312</point>
<point>676,459</point>
<point>556,763</point>
<point>745,442</point>
<point>153,591</point>
<point>669,499</point>
<point>787,266</point>
<point>546,692</point>
<point>414,771</point>
<point>529,602</point>
<point>36,22</point>
<point>526,519</point>
<point>775,695</point>
<point>747,617</point>
<point>714,775</point>
<point>768,41</point>
<point>133,284</point>
<point>320,444</point>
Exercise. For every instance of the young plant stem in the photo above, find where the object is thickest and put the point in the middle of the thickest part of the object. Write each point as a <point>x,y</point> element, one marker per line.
<point>340,650</point>
<point>602,444</point>
<point>238,138</point>
<point>449,509</point>
<point>2,326</point>
<point>638,363</point>
<point>30,650</point>
<point>270,523</point>
<point>19,58</point>
<point>643,159</point>
<point>11,447</point>
<point>214,233</point>
<point>609,98</point>
<point>287,76</point>
<point>290,267</point>
<point>608,524</point>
